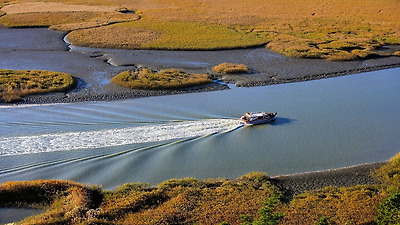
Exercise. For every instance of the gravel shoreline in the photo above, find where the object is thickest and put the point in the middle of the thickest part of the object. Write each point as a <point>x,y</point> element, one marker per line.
<point>342,177</point>
<point>274,80</point>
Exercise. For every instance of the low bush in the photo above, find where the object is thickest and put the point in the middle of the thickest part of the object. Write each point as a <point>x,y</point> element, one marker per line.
<point>165,79</point>
<point>230,68</point>
<point>14,84</point>
<point>354,205</point>
<point>389,209</point>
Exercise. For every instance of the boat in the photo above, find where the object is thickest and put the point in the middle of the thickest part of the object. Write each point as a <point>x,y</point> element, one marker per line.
<point>257,118</point>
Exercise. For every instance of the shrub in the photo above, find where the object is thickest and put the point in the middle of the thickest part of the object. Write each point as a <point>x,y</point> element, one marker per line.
<point>230,68</point>
<point>389,209</point>
<point>354,205</point>
<point>267,214</point>
<point>323,221</point>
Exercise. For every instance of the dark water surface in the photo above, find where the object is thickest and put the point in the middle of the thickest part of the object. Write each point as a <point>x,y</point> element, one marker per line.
<point>321,124</point>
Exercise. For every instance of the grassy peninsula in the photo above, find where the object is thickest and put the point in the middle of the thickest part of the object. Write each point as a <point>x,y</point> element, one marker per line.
<point>165,79</point>
<point>253,198</point>
<point>14,84</point>
<point>332,30</point>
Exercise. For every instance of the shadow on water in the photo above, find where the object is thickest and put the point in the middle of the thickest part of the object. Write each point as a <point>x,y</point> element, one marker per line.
<point>281,121</point>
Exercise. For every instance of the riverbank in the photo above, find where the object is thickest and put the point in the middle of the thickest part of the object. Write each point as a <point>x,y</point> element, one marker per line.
<point>211,201</point>
<point>363,174</point>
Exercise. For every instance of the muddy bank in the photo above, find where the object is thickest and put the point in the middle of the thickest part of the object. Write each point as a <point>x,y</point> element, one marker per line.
<point>43,49</point>
<point>342,177</point>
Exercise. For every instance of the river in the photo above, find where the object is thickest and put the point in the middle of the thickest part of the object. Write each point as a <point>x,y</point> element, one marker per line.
<point>321,124</point>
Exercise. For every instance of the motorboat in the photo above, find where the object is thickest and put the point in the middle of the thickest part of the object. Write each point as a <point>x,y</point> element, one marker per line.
<point>257,118</point>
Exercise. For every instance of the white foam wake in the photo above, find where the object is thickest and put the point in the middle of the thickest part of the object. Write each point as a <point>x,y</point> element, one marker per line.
<point>113,137</point>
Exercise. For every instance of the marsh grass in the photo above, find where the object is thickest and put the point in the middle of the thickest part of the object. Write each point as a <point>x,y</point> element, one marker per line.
<point>14,84</point>
<point>230,68</point>
<point>168,36</point>
<point>165,79</point>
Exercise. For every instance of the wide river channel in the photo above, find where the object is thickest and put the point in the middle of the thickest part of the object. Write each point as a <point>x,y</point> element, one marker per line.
<point>321,124</point>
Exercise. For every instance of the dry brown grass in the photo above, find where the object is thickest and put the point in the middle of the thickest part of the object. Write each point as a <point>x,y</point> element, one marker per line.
<point>37,7</point>
<point>118,37</point>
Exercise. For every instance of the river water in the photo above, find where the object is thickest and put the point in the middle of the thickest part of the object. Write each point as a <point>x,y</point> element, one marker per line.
<point>321,124</point>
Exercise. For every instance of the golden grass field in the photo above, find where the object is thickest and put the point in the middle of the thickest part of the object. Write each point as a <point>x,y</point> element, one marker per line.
<point>14,84</point>
<point>327,29</point>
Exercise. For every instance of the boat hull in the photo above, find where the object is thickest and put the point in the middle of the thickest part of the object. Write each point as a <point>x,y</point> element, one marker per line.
<point>257,122</point>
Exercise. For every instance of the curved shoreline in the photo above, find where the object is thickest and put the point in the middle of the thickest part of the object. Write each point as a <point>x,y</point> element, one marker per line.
<point>298,183</point>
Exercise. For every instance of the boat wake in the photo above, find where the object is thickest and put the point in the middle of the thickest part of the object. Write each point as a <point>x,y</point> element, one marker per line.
<point>114,137</point>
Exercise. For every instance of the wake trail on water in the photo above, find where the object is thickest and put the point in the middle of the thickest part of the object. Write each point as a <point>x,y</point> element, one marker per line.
<point>114,137</point>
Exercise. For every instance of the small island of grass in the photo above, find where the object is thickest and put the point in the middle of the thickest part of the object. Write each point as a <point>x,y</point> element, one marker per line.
<point>230,68</point>
<point>14,84</point>
<point>165,79</point>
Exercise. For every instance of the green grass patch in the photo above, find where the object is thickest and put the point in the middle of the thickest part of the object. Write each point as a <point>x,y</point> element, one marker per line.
<point>14,84</point>
<point>165,79</point>
<point>198,36</point>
